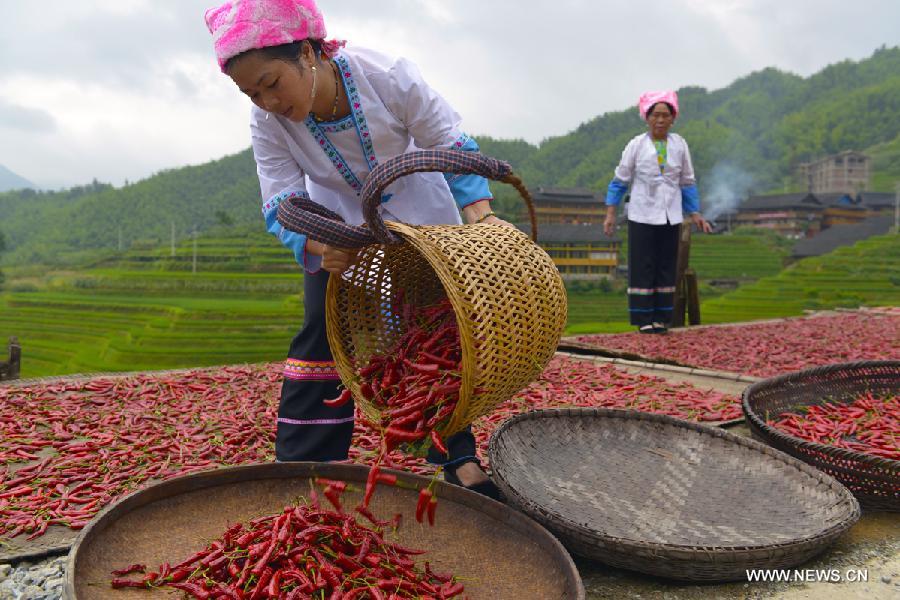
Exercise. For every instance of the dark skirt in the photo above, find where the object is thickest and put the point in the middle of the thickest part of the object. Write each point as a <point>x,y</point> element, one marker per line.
<point>652,258</point>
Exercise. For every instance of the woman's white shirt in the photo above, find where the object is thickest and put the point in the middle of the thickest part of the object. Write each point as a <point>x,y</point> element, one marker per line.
<point>393,107</point>
<point>655,198</point>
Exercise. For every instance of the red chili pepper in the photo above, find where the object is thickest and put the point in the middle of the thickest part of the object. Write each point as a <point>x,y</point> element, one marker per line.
<point>422,504</point>
<point>136,568</point>
<point>345,396</point>
<point>432,506</point>
<point>438,443</point>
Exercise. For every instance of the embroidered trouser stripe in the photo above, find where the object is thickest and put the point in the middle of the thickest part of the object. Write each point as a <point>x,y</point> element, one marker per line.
<point>652,256</point>
<point>306,428</point>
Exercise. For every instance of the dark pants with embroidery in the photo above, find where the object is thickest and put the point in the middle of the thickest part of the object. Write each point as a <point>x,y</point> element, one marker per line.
<point>309,430</point>
<point>652,257</point>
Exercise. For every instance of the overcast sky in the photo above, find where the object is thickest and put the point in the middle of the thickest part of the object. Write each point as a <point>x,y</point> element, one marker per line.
<point>120,89</point>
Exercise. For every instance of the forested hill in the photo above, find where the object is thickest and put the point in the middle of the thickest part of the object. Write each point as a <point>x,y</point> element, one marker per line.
<point>748,135</point>
<point>12,181</point>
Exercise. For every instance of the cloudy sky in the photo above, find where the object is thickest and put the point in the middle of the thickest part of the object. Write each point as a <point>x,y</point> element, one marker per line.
<point>119,89</point>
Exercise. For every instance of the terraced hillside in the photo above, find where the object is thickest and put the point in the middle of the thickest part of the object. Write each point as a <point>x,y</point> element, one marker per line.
<point>145,309</point>
<point>867,273</point>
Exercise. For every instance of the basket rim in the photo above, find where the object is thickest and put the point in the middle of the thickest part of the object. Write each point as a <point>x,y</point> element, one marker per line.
<point>709,552</point>
<point>778,381</point>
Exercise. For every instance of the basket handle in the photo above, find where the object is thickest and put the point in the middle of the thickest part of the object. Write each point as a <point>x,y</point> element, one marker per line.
<point>444,161</point>
<point>302,215</point>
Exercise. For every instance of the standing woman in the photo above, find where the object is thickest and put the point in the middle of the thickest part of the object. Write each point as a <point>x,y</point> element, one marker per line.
<point>323,118</point>
<point>657,166</point>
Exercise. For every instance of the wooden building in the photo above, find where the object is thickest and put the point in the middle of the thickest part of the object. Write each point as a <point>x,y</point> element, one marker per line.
<point>792,215</point>
<point>580,252</point>
<point>879,203</point>
<point>842,209</point>
<point>570,206</point>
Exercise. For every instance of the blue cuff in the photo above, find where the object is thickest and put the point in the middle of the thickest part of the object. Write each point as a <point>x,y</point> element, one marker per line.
<point>467,189</point>
<point>690,199</point>
<point>295,242</point>
<point>615,192</point>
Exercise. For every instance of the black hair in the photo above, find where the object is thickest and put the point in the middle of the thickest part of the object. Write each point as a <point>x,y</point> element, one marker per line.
<point>652,106</point>
<point>289,53</point>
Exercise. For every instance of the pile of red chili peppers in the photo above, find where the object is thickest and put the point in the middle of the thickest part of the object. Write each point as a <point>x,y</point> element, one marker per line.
<point>416,385</point>
<point>870,424</point>
<point>70,448</point>
<point>306,551</point>
<point>767,349</point>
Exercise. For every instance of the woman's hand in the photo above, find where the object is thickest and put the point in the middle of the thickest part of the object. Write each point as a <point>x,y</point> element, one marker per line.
<point>480,212</point>
<point>701,223</point>
<point>337,260</point>
<point>609,225</point>
<point>334,259</point>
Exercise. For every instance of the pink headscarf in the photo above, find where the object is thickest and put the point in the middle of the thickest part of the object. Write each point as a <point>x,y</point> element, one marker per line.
<point>648,99</point>
<point>241,25</point>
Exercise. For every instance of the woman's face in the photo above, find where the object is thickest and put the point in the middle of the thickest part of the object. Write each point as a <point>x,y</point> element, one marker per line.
<point>660,119</point>
<point>276,86</point>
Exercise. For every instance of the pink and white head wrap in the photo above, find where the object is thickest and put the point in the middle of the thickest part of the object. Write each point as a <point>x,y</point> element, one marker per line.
<point>241,25</point>
<point>648,99</point>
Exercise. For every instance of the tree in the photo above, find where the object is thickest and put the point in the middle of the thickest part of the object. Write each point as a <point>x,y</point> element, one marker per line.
<point>223,218</point>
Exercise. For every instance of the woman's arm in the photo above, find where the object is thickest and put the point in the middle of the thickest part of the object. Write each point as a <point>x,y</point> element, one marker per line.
<point>280,178</point>
<point>618,187</point>
<point>690,195</point>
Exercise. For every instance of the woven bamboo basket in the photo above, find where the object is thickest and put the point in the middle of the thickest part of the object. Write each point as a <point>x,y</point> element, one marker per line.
<point>875,481</point>
<point>507,294</point>
<point>173,519</point>
<point>671,498</point>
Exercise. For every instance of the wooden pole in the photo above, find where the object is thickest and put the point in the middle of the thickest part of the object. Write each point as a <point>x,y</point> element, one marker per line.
<point>10,370</point>
<point>684,254</point>
<point>693,297</point>
<point>897,209</point>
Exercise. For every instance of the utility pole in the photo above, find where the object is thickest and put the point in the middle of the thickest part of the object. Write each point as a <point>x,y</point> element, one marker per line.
<point>897,209</point>
<point>173,238</point>
<point>120,238</point>
<point>194,265</point>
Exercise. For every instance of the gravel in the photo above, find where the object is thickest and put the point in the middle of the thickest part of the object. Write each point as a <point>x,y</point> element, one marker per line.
<point>42,580</point>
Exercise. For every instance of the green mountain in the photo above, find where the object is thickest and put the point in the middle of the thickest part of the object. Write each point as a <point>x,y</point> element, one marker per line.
<point>749,135</point>
<point>12,181</point>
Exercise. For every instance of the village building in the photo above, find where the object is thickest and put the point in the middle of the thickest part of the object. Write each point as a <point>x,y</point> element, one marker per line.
<point>572,206</point>
<point>580,252</point>
<point>847,172</point>
<point>842,209</point>
<point>792,215</point>
<point>570,230</point>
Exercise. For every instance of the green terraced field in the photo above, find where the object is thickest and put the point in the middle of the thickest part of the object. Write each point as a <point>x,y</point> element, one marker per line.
<point>144,310</point>
<point>867,273</point>
<point>73,331</point>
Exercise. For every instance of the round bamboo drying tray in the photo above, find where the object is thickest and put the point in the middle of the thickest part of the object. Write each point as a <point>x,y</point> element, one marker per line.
<point>875,481</point>
<point>667,497</point>
<point>496,551</point>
